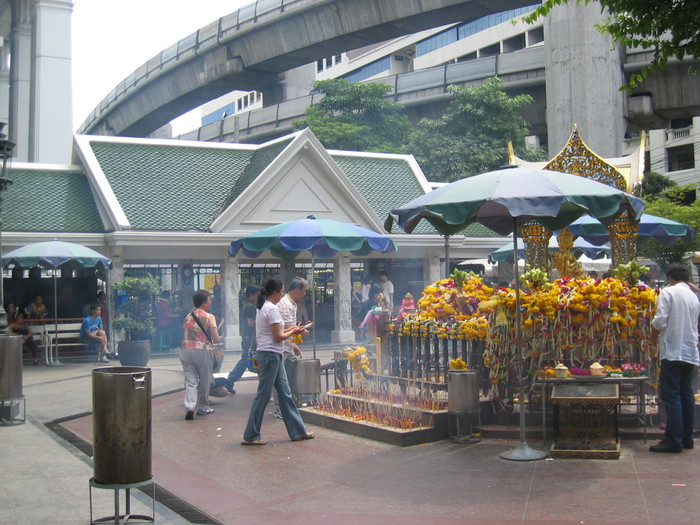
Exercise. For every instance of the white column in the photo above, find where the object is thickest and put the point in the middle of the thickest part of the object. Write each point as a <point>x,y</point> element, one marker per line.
<point>230,286</point>
<point>432,269</point>
<point>51,126</point>
<point>114,275</point>
<point>287,271</point>
<point>20,78</point>
<point>343,332</point>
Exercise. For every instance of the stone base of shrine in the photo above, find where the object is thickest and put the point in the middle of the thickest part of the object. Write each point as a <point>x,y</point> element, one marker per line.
<point>385,434</point>
<point>585,450</point>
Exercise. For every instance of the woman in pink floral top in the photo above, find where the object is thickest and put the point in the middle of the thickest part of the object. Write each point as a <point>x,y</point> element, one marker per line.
<point>197,356</point>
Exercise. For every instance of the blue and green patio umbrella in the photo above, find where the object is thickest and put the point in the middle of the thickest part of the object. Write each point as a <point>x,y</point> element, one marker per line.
<point>663,230</point>
<point>323,238</point>
<point>503,201</point>
<point>53,255</point>
<point>581,247</point>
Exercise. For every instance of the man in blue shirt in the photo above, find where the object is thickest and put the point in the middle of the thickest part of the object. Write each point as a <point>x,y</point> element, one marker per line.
<point>92,333</point>
<point>675,326</point>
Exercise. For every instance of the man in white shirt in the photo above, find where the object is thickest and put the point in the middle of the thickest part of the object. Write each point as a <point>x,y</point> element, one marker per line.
<point>288,308</point>
<point>675,326</point>
<point>388,291</point>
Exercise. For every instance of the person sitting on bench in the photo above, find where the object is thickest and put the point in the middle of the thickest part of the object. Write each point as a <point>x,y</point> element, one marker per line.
<point>92,333</point>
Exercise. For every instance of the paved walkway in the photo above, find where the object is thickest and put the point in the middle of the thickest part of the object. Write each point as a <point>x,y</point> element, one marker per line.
<point>334,479</point>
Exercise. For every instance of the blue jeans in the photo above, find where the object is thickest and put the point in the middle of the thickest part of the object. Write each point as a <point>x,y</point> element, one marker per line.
<point>677,395</point>
<point>271,373</point>
<point>248,345</point>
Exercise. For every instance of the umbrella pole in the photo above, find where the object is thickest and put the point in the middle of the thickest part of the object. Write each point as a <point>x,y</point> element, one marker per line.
<point>447,256</point>
<point>55,361</point>
<point>522,452</point>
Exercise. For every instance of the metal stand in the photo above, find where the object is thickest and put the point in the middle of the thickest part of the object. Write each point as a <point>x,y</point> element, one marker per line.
<point>118,518</point>
<point>457,436</point>
<point>10,410</point>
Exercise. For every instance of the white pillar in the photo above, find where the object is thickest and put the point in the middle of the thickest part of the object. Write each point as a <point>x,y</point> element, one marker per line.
<point>230,286</point>
<point>20,78</point>
<point>432,269</point>
<point>114,275</point>
<point>342,307</point>
<point>287,271</point>
<point>51,124</point>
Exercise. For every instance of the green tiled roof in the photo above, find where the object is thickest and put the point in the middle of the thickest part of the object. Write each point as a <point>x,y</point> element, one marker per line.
<point>49,201</point>
<point>170,188</point>
<point>260,160</point>
<point>390,183</point>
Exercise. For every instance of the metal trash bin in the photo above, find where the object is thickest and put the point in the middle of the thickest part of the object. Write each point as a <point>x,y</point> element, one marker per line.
<point>12,402</point>
<point>462,404</point>
<point>308,380</point>
<point>10,366</point>
<point>462,391</point>
<point>121,402</point>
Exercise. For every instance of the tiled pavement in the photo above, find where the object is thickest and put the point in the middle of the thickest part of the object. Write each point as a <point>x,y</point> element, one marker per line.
<point>334,479</point>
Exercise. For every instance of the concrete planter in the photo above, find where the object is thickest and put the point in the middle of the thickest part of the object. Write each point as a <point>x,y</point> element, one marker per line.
<point>134,353</point>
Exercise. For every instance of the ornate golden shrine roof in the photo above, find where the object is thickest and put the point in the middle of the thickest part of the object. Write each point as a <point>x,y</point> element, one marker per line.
<point>625,173</point>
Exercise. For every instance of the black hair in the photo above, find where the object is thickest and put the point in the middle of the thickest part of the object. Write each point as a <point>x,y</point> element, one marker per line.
<point>251,290</point>
<point>165,294</point>
<point>200,297</point>
<point>272,285</point>
<point>678,272</point>
<point>94,306</point>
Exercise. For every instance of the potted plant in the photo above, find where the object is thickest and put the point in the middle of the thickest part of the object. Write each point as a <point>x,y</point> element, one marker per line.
<point>136,322</point>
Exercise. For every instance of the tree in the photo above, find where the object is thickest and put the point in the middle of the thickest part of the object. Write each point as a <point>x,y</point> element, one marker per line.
<point>357,117</point>
<point>670,27</point>
<point>472,135</point>
<point>671,207</point>
<point>654,184</point>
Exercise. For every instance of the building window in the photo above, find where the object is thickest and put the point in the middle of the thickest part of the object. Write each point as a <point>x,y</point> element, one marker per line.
<point>680,123</point>
<point>680,158</point>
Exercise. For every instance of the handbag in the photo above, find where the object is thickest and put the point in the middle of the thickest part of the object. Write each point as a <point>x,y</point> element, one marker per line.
<point>253,362</point>
<point>216,352</point>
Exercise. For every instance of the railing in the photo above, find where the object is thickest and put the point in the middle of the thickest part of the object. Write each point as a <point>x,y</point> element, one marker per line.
<point>676,134</point>
<point>424,351</point>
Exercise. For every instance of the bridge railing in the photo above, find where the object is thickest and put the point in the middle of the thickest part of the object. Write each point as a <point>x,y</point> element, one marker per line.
<point>197,43</point>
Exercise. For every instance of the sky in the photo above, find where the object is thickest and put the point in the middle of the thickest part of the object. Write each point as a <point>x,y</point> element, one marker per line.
<point>111,38</point>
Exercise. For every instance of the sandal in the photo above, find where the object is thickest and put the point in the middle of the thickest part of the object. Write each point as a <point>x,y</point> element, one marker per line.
<point>308,435</point>
<point>205,411</point>
<point>254,442</point>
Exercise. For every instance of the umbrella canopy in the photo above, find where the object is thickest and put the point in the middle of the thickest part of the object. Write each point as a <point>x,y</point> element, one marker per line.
<point>663,230</point>
<point>504,199</point>
<point>324,238</point>
<point>53,254</point>
<point>581,246</point>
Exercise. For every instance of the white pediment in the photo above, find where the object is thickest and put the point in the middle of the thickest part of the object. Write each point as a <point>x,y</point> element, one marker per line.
<point>303,180</point>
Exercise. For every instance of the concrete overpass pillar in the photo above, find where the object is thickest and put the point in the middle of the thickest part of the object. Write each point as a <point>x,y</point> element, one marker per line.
<point>583,74</point>
<point>51,99</point>
<point>20,78</point>
<point>4,79</point>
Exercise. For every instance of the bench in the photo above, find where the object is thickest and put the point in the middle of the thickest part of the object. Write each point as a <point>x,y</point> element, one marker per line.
<point>54,336</point>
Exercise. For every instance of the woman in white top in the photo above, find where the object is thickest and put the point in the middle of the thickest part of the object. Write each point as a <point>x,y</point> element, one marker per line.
<point>270,332</point>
